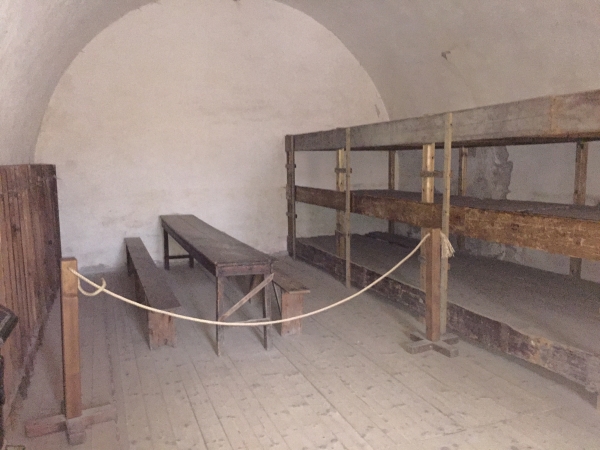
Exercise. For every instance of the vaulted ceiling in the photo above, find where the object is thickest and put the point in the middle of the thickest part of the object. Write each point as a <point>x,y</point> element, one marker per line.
<point>423,57</point>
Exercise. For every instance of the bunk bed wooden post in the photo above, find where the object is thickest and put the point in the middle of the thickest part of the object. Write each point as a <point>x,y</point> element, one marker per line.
<point>291,195</point>
<point>391,182</point>
<point>462,185</point>
<point>427,195</point>
<point>342,229</point>
<point>581,161</point>
<point>433,339</point>
<point>446,220</point>
<point>347,211</point>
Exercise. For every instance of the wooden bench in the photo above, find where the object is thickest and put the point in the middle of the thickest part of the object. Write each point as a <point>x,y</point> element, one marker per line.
<point>292,300</point>
<point>152,289</point>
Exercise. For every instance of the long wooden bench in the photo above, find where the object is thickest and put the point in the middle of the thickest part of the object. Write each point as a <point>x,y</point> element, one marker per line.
<point>292,299</point>
<point>152,289</point>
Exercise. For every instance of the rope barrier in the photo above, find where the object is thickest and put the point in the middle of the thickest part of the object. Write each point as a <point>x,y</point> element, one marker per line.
<point>446,246</point>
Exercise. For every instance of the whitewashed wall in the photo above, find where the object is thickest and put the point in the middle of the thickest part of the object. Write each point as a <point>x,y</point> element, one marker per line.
<point>182,107</point>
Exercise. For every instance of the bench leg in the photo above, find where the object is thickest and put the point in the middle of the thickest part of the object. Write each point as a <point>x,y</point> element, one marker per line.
<point>166,249</point>
<point>291,305</point>
<point>220,293</point>
<point>161,330</point>
<point>267,313</point>
<point>129,262</point>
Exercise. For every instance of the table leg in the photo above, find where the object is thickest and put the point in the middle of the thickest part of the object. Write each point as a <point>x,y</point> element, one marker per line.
<point>191,262</point>
<point>166,249</point>
<point>267,313</point>
<point>220,292</point>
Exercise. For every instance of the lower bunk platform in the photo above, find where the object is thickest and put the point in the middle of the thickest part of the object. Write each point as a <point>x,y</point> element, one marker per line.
<point>547,319</point>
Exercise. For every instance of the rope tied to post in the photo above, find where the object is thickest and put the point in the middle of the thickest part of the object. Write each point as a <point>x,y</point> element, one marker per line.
<point>447,249</point>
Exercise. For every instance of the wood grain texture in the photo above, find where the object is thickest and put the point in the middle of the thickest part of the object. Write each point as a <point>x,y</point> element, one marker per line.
<point>70,339</point>
<point>565,118</point>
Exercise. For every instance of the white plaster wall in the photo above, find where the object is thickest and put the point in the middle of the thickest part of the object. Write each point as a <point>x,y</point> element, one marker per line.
<point>182,107</point>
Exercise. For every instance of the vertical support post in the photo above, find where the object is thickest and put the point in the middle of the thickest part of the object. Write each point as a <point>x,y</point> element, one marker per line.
<point>71,353</point>
<point>291,195</point>
<point>220,292</point>
<point>462,185</point>
<point>347,212</point>
<point>340,186</point>
<point>166,250</point>
<point>581,162</point>
<point>446,220</point>
<point>432,286</point>
<point>267,312</point>
<point>391,182</point>
<point>70,338</point>
<point>427,195</point>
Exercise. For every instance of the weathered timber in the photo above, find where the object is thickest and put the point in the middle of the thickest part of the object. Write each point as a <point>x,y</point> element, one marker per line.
<point>427,196</point>
<point>432,286</point>
<point>220,254</point>
<point>579,194</point>
<point>321,197</point>
<point>291,194</point>
<point>29,263</point>
<point>574,364</point>
<point>446,221</point>
<point>564,118</point>
<point>292,300</point>
<point>562,229</point>
<point>391,181</point>
<point>152,289</point>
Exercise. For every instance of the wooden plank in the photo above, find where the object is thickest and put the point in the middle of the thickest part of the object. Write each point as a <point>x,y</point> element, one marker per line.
<point>340,215</point>
<point>446,221</point>
<point>432,286</point>
<point>348,207</point>
<point>581,162</point>
<point>321,197</point>
<point>391,182</point>
<point>291,195</point>
<point>565,118</point>
<point>427,196</point>
<point>462,184</point>
<point>70,339</point>
<point>568,236</point>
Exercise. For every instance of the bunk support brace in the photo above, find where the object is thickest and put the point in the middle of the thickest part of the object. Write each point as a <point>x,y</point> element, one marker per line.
<point>342,184</point>
<point>579,193</point>
<point>291,195</point>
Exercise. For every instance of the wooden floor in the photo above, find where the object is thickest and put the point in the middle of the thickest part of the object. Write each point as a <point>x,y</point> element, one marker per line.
<point>345,382</point>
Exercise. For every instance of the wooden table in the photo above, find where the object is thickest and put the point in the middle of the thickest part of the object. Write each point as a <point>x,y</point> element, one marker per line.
<point>223,256</point>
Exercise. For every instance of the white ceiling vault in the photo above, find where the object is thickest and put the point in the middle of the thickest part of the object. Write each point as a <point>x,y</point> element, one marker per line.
<point>423,57</point>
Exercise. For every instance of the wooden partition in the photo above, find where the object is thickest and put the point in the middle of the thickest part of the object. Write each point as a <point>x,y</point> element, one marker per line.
<point>29,263</point>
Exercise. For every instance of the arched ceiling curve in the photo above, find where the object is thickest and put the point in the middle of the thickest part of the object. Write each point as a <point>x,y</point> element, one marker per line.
<point>423,57</point>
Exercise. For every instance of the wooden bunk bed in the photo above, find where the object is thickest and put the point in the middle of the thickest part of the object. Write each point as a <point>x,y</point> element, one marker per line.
<point>571,230</point>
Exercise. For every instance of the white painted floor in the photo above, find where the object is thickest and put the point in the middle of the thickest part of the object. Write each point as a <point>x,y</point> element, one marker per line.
<point>345,382</point>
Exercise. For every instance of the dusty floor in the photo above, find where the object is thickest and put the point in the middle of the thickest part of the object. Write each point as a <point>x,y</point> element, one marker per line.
<point>345,382</point>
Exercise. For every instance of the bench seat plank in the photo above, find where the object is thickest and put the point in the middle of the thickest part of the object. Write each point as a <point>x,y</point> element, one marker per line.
<point>152,278</point>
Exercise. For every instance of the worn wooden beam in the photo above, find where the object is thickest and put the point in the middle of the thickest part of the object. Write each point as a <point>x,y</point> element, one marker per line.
<point>70,338</point>
<point>446,221</point>
<point>581,162</point>
<point>564,118</point>
<point>291,195</point>
<point>462,184</point>
<point>340,215</point>
<point>321,197</point>
<point>561,235</point>
<point>347,209</point>
<point>432,286</point>
<point>391,182</point>
<point>427,196</point>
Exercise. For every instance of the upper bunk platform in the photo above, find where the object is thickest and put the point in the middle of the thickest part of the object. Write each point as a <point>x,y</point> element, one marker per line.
<point>564,118</point>
<point>572,230</point>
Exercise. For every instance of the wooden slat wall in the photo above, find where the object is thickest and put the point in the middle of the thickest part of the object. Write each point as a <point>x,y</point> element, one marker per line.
<point>29,263</point>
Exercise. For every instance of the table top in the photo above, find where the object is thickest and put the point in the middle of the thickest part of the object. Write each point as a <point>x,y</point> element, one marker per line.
<point>210,245</point>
